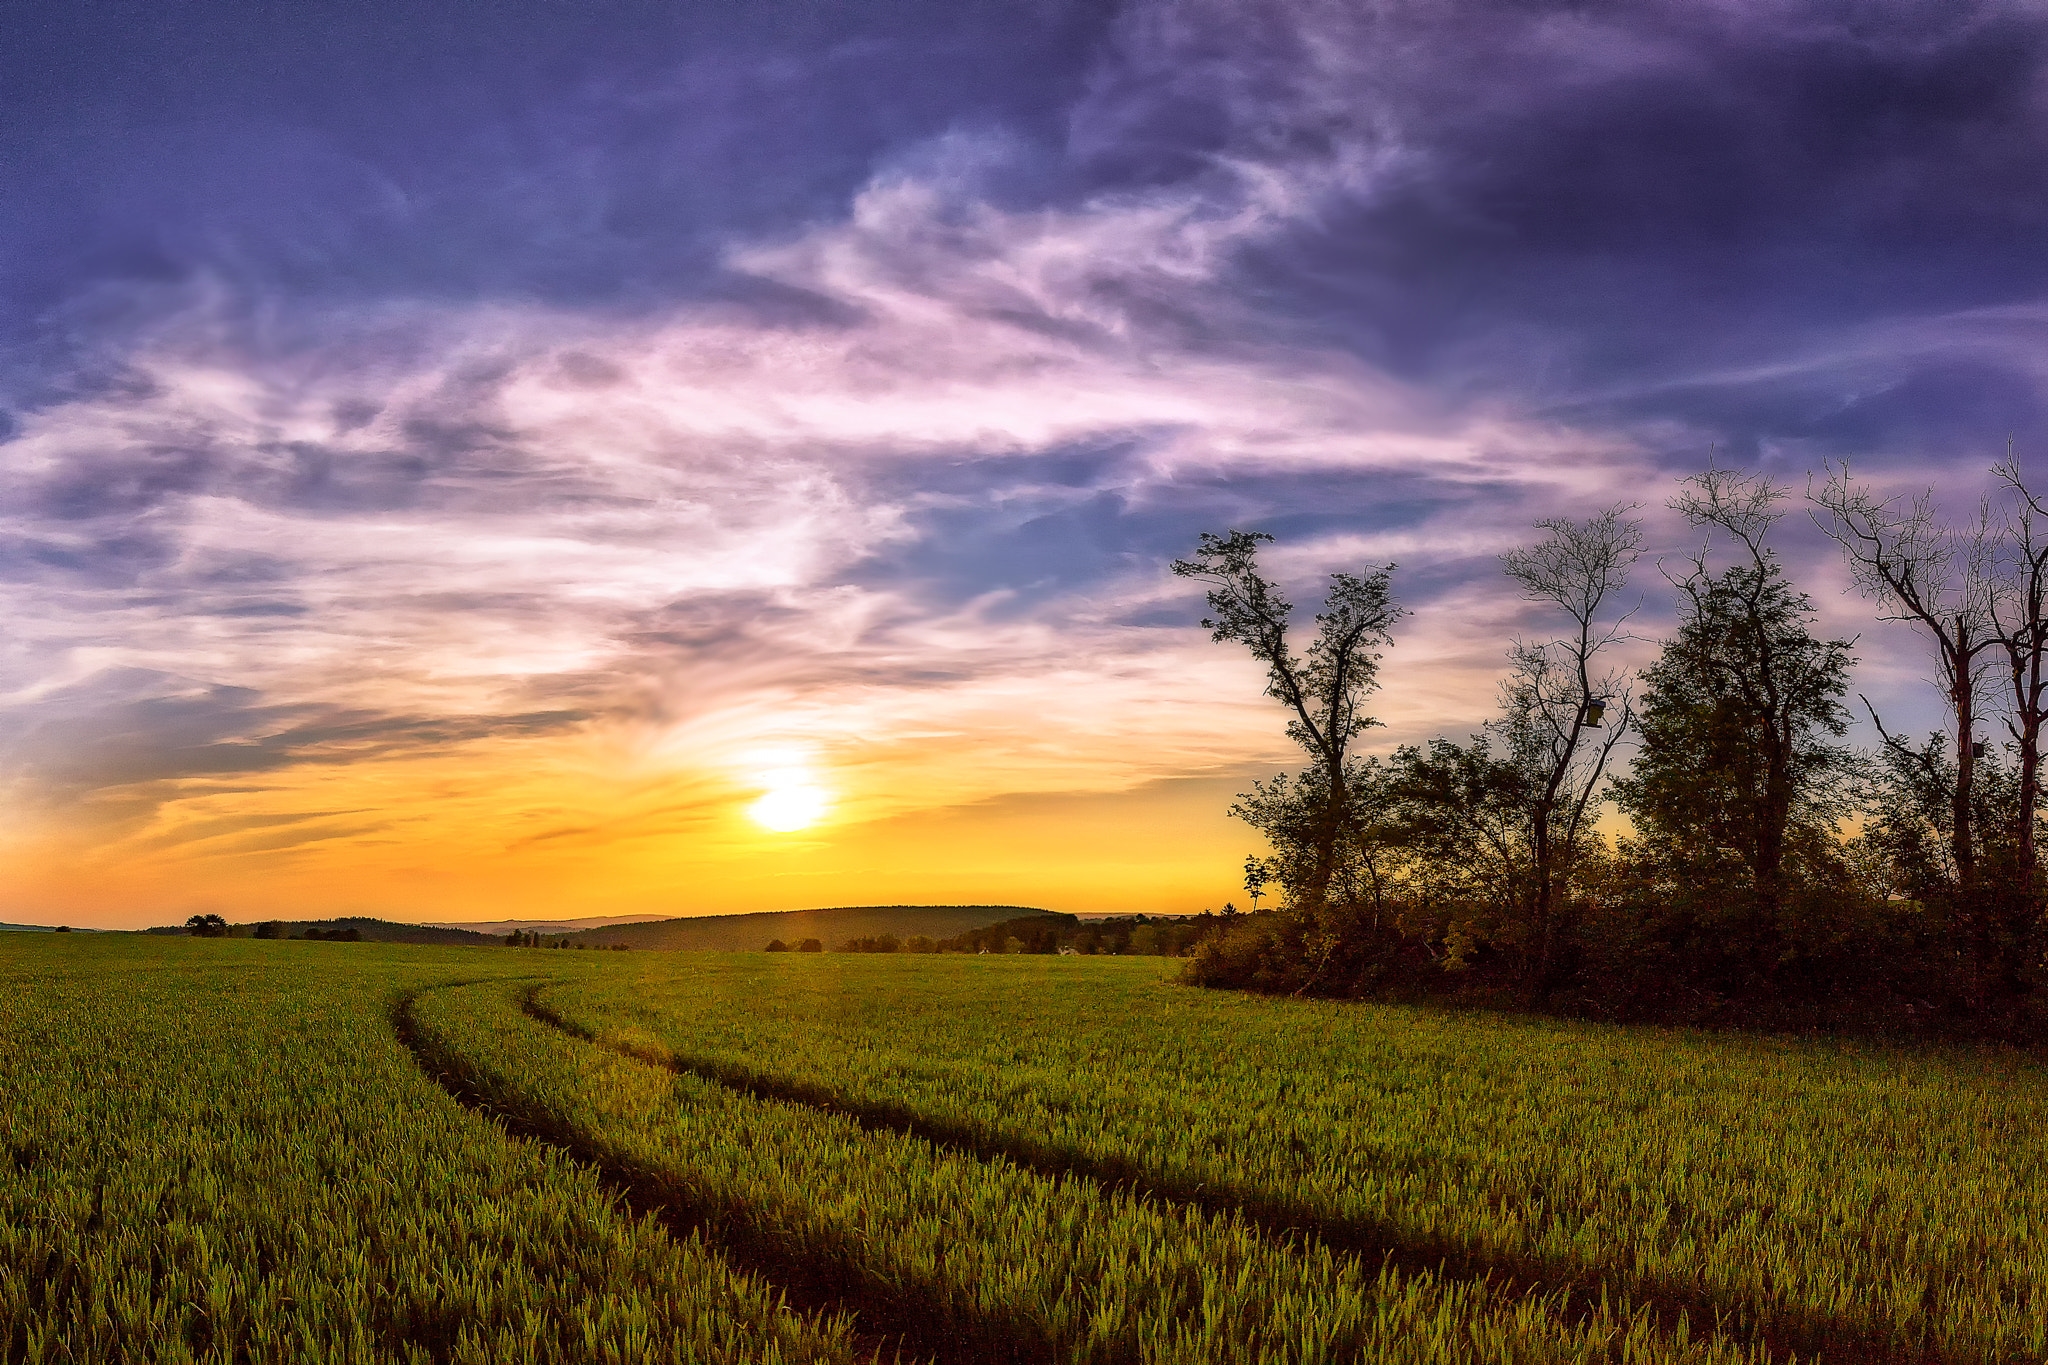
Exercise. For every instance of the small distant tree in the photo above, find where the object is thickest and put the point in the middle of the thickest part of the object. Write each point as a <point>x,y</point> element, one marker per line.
<point>776,945</point>
<point>206,926</point>
<point>1256,876</point>
<point>811,945</point>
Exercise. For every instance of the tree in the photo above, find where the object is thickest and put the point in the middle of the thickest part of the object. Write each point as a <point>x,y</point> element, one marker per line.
<point>1314,814</point>
<point>776,945</point>
<point>1464,817</point>
<point>270,928</point>
<point>206,926</point>
<point>1256,876</point>
<point>1937,577</point>
<point>1555,697</point>
<point>1738,716</point>
<point>2018,611</point>
<point>810,945</point>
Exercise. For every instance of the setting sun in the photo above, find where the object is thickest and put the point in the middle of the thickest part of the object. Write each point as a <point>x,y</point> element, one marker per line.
<point>790,806</point>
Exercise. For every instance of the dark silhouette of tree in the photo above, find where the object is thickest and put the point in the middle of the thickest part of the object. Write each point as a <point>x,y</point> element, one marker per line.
<point>1256,876</point>
<point>270,928</point>
<point>1310,817</point>
<point>206,926</point>
<point>811,945</point>
<point>1738,767</point>
<point>1938,577</point>
<point>2018,610</point>
<point>1556,698</point>
<point>1463,819</point>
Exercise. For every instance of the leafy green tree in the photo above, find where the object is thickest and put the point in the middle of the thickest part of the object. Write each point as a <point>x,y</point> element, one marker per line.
<point>1739,771</point>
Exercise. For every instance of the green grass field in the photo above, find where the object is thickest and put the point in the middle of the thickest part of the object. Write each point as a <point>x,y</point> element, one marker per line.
<point>236,1150</point>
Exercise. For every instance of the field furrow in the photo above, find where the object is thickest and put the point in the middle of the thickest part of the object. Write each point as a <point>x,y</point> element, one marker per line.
<point>998,1262</point>
<point>1806,1198</point>
<point>216,1152</point>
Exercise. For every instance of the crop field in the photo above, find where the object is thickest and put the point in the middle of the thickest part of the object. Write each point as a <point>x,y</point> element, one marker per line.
<point>237,1150</point>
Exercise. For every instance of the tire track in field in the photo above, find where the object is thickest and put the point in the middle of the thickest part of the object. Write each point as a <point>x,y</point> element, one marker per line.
<point>1581,1289</point>
<point>893,1322</point>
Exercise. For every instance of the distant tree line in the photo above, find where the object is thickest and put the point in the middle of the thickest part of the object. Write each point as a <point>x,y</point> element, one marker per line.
<point>1770,874</point>
<point>363,930</point>
<point>214,926</point>
<point>529,938</point>
<point>1124,935</point>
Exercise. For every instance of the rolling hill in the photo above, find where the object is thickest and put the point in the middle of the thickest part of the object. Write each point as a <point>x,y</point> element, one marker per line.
<point>751,933</point>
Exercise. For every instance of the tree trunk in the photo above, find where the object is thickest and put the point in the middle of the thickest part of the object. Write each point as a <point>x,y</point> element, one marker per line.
<point>1970,909</point>
<point>1330,828</point>
<point>1546,894</point>
<point>1962,698</point>
<point>2028,689</point>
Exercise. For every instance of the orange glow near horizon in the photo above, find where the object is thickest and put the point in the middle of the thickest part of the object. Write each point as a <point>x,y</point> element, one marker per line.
<point>435,839</point>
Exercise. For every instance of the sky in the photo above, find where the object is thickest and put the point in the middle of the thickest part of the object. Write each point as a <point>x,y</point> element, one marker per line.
<point>530,458</point>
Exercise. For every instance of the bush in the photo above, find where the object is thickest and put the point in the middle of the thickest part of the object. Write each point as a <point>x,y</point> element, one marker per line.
<point>1257,953</point>
<point>810,945</point>
<point>776,945</point>
<point>270,928</point>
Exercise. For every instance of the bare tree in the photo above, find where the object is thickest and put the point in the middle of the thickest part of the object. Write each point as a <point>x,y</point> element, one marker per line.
<point>1555,696</point>
<point>2018,611</point>
<point>1324,693</point>
<point>1939,578</point>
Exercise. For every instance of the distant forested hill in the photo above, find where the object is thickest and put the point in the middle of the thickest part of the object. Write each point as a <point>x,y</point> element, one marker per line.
<point>751,933</point>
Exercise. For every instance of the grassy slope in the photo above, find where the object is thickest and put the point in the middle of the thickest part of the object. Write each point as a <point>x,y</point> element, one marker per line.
<point>751,933</point>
